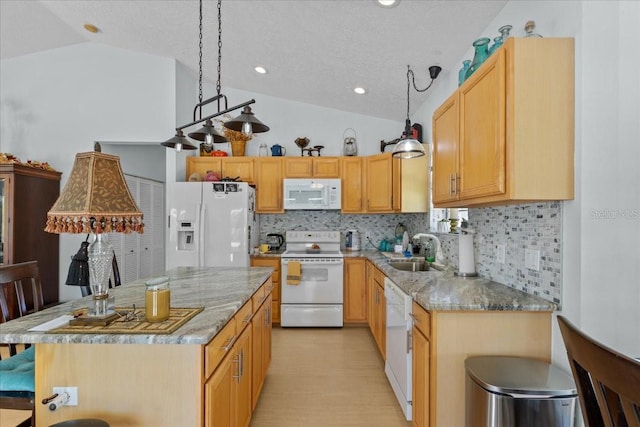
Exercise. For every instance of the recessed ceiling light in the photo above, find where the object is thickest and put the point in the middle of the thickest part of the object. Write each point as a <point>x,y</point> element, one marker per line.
<point>360,90</point>
<point>91,28</point>
<point>260,70</point>
<point>387,3</point>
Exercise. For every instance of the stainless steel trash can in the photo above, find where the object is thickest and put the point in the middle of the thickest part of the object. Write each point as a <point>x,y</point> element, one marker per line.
<point>518,392</point>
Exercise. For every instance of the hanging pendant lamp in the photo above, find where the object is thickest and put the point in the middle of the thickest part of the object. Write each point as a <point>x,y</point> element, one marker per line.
<point>247,123</point>
<point>207,132</point>
<point>409,147</point>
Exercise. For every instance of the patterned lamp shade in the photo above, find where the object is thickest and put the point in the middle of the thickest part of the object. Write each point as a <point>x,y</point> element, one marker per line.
<point>95,199</point>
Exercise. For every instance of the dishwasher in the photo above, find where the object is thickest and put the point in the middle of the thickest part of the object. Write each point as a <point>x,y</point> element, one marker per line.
<point>399,347</point>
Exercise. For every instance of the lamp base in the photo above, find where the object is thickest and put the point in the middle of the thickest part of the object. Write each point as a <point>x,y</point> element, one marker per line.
<point>101,306</point>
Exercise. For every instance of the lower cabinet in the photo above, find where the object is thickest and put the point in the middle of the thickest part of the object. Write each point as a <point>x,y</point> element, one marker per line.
<point>355,290</point>
<point>420,366</point>
<point>227,393</point>
<point>239,356</point>
<point>273,262</point>
<point>261,347</point>
<point>377,307</point>
<point>442,340</point>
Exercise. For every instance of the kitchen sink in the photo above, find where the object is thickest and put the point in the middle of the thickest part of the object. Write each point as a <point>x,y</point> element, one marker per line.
<point>410,265</point>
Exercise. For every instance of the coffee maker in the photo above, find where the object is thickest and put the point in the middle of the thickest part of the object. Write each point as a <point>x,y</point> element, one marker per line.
<point>275,241</point>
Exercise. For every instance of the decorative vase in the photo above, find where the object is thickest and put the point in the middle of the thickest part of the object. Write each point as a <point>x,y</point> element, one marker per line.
<point>497,42</point>
<point>462,74</point>
<point>481,54</point>
<point>505,31</point>
<point>237,148</point>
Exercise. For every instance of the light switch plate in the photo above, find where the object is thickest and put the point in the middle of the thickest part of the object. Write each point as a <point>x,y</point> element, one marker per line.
<point>532,259</point>
<point>500,253</point>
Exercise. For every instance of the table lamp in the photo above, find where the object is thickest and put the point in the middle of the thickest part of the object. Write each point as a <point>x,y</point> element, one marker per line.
<point>96,200</point>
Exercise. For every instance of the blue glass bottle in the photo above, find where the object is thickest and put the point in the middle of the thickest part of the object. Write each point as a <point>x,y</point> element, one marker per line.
<point>481,54</point>
<point>462,74</point>
<point>497,42</point>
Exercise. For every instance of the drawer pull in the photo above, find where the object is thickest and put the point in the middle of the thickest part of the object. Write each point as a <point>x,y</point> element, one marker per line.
<point>229,343</point>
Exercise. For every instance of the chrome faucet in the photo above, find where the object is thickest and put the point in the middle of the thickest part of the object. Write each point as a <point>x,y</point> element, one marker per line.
<point>439,254</point>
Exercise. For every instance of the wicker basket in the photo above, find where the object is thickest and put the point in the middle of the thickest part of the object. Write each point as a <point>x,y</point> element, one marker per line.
<point>237,148</point>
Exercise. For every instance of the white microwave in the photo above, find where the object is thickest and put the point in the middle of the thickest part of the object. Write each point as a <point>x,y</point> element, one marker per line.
<point>312,194</point>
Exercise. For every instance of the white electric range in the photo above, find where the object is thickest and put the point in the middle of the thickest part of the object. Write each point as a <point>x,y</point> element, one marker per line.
<point>317,300</point>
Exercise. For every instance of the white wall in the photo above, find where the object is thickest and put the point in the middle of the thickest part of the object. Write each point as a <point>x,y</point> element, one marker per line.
<point>54,104</point>
<point>601,256</point>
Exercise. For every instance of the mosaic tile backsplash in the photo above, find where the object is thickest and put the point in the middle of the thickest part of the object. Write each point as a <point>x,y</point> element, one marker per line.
<point>519,227</point>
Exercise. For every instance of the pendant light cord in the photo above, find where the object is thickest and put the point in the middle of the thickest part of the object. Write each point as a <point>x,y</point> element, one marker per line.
<point>200,63</point>
<point>408,93</point>
<point>218,84</point>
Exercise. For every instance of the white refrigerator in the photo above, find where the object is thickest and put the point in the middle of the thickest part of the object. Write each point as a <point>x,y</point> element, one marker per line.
<point>211,224</point>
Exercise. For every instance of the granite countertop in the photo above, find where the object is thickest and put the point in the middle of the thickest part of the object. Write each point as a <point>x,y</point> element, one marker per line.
<point>221,291</point>
<point>442,290</point>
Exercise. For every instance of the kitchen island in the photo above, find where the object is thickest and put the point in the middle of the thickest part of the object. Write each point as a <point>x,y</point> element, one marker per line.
<point>152,379</point>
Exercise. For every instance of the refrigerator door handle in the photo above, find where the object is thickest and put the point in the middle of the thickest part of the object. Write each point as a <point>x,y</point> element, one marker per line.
<point>201,234</point>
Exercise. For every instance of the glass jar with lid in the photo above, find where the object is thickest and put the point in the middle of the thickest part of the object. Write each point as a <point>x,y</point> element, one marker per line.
<point>157,299</point>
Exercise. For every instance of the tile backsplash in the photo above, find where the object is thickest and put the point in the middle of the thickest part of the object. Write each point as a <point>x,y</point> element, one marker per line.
<point>534,226</point>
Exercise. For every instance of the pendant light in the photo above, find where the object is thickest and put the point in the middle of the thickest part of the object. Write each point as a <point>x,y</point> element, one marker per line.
<point>409,147</point>
<point>207,133</point>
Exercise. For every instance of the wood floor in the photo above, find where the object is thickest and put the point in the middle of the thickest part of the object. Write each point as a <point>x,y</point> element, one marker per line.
<point>326,377</point>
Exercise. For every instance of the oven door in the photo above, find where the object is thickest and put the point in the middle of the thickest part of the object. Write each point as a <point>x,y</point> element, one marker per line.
<point>321,281</point>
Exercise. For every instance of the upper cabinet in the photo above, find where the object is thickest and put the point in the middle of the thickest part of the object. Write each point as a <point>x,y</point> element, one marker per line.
<point>507,134</point>
<point>225,167</point>
<point>312,167</point>
<point>269,185</point>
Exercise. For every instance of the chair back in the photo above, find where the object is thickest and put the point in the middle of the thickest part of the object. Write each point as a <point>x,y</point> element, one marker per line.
<point>21,290</point>
<point>608,382</point>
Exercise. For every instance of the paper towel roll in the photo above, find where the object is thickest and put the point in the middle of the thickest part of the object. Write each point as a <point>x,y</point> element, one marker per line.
<point>467,265</point>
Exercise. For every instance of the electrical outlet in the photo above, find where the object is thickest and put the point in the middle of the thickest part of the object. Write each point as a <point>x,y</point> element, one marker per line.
<point>532,259</point>
<point>73,394</point>
<point>500,253</point>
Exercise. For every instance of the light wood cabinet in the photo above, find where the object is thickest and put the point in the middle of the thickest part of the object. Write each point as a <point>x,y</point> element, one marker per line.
<point>225,167</point>
<point>269,185</point>
<point>420,366</point>
<point>442,340</point>
<point>261,346</point>
<point>507,134</point>
<point>377,307</point>
<point>355,290</point>
<point>311,167</point>
<point>353,189</point>
<point>26,195</point>
<point>379,183</point>
<point>273,262</point>
<point>228,392</point>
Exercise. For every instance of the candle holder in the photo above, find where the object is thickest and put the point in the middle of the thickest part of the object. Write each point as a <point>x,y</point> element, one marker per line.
<point>453,224</point>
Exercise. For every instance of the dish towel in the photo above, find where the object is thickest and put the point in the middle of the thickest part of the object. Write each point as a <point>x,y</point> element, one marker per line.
<point>294,272</point>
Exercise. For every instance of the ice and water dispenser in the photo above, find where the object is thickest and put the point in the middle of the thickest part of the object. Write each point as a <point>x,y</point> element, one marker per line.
<point>186,236</point>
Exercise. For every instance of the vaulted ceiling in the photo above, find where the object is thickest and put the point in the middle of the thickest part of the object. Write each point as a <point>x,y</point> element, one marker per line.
<point>315,51</point>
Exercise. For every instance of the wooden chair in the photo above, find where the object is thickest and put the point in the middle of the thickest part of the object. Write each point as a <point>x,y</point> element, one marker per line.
<point>20,294</point>
<point>608,382</point>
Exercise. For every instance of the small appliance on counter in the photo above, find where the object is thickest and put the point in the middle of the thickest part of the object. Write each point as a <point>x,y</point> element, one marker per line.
<point>275,241</point>
<point>352,240</point>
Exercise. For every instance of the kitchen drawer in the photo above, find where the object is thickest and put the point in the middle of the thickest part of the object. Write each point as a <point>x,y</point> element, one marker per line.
<point>243,316</point>
<point>218,347</point>
<point>259,297</point>
<point>421,319</point>
<point>378,276</point>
